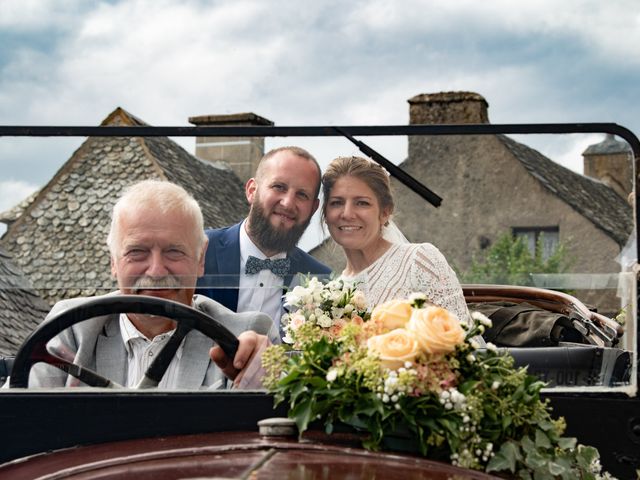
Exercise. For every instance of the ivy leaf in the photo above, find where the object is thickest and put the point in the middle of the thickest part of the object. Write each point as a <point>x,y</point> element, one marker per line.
<point>528,446</point>
<point>561,467</point>
<point>524,474</point>
<point>567,443</point>
<point>542,441</point>
<point>506,421</point>
<point>586,455</point>
<point>302,414</point>
<point>537,459</point>
<point>542,475</point>
<point>506,458</point>
<point>545,425</point>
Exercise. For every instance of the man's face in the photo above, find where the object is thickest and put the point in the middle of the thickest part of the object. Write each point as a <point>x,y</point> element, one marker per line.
<point>282,201</point>
<point>157,254</point>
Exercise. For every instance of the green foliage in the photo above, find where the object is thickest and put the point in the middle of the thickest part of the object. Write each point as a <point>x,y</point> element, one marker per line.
<point>509,262</point>
<point>490,418</point>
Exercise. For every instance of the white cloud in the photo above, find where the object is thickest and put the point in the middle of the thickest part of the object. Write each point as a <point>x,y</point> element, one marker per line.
<point>28,15</point>
<point>13,192</point>
<point>328,62</point>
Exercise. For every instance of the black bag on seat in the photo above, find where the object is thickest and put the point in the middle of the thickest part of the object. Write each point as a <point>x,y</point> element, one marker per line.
<point>525,325</point>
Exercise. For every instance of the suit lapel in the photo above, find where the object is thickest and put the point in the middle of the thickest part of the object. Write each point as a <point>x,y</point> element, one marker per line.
<point>298,265</point>
<point>228,258</point>
<point>195,360</point>
<point>111,356</point>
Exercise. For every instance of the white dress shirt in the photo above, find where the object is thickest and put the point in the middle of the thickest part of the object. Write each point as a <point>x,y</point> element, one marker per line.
<point>261,291</point>
<point>141,352</point>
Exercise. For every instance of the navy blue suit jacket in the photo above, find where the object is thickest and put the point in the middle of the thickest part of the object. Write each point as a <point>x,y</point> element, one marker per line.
<point>222,266</point>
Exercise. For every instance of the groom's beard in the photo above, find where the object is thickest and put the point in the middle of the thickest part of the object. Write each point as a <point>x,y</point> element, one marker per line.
<point>268,237</point>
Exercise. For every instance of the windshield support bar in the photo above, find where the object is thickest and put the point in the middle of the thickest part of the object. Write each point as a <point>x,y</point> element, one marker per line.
<point>395,171</point>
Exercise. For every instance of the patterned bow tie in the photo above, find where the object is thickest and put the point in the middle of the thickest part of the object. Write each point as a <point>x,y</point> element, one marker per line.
<point>279,267</point>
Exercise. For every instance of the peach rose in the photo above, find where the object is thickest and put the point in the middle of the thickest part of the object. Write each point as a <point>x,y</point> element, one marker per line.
<point>392,314</point>
<point>436,329</point>
<point>394,348</point>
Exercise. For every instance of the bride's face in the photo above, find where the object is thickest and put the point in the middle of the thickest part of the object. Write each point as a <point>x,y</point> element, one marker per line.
<point>353,214</point>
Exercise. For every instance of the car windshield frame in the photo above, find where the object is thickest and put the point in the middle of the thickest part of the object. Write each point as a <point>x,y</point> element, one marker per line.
<point>350,132</point>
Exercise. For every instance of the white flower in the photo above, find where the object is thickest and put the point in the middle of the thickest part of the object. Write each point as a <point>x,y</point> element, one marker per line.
<point>475,345</point>
<point>337,312</point>
<point>385,398</point>
<point>296,320</point>
<point>471,358</point>
<point>495,385</point>
<point>325,321</point>
<point>348,308</point>
<point>482,319</point>
<point>335,297</point>
<point>332,374</point>
<point>492,347</point>
<point>359,300</point>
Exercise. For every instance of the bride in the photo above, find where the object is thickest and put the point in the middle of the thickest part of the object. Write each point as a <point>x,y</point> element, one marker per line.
<point>357,208</point>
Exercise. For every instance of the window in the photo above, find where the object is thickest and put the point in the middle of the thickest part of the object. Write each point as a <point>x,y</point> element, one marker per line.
<point>550,237</point>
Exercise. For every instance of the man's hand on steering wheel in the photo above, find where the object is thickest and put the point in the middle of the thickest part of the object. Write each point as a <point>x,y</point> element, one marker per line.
<point>246,367</point>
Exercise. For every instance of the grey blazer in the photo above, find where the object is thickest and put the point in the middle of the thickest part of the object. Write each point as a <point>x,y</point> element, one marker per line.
<point>98,345</point>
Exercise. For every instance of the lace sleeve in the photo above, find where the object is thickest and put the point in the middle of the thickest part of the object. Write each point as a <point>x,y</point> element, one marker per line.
<point>431,274</point>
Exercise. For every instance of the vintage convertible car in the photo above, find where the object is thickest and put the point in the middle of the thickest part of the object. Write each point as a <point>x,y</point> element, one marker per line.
<point>590,364</point>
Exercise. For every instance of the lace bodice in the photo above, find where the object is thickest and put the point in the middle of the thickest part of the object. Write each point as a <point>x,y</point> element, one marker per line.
<point>408,268</point>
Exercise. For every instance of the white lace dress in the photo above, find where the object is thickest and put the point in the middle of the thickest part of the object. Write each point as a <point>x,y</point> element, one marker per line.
<point>408,268</point>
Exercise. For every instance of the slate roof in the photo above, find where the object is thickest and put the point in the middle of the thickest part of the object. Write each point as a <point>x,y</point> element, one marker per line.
<point>59,239</point>
<point>21,308</point>
<point>591,198</point>
<point>11,215</point>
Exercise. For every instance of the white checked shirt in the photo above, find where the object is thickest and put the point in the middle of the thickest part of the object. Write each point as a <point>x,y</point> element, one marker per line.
<point>141,352</point>
<point>261,291</point>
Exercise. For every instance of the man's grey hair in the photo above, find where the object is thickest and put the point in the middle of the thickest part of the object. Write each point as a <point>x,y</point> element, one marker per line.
<point>161,196</point>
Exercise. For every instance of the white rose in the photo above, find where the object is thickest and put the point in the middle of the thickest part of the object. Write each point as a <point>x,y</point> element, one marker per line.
<point>325,321</point>
<point>359,300</point>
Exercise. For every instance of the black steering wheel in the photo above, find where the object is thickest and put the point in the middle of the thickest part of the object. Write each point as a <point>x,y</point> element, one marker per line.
<point>34,349</point>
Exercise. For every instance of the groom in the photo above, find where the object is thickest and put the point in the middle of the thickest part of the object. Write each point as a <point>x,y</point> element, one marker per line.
<point>248,264</point>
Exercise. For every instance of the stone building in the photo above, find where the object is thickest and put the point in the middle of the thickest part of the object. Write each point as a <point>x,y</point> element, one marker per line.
<point>58,237</point>
<point>21,308</point>
<point>492,184</point>
<point>241,154</point>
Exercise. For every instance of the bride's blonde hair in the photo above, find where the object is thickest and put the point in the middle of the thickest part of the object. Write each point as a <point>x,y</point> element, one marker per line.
<point>371,173</point>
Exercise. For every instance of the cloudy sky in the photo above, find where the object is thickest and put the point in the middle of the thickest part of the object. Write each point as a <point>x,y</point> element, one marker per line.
<point>71,62</point>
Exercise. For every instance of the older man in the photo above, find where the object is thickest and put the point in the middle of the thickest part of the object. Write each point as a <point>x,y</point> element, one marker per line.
<point>157,248</point>
<point>249,264</point>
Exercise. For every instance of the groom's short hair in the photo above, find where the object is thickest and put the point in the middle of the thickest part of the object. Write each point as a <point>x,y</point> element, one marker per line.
<point>298,151</point>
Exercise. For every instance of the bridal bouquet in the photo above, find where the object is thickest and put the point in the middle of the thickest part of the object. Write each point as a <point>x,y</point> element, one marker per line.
<point>328,306</point>
<point>412,374</point>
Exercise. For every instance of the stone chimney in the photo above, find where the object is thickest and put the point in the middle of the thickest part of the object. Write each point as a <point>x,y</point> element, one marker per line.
<point>241,153</point>
<point>610,162</point>
<point>448,108</point>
